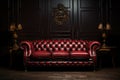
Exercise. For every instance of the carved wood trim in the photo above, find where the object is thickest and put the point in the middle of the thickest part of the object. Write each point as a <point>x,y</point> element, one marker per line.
<point>60,14</point>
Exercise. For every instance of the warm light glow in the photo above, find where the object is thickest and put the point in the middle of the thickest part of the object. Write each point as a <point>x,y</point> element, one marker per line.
<point>12,27</point>
<point>15,35</point>
<point>103,35</point>
<point>100,26</point>
<point>108,27</point>
<point>19,27</point>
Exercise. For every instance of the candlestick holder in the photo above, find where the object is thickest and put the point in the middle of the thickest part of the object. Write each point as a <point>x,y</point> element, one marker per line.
<point>14,30</point>
<point>104,30</point>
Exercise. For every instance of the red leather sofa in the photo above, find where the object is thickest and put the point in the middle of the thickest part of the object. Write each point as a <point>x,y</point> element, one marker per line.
<point>59,52</point>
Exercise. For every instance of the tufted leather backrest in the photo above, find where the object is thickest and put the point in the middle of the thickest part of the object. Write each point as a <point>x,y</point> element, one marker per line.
<point>60,45</point>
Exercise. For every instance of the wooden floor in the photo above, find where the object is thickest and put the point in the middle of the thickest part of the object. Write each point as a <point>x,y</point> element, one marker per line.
<point>101,74</point>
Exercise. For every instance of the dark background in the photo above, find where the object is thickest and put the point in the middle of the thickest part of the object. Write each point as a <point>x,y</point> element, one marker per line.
<point>36,18</point>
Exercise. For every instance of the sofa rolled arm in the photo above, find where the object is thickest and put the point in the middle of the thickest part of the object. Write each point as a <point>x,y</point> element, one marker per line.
<point>26,46</point>
<point>93,47</point>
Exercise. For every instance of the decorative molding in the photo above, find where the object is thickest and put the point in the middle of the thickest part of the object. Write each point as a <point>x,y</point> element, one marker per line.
<point>60,14</point>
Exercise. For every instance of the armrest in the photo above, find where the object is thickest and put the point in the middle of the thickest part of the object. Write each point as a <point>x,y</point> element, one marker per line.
<point>93,47</point>
<point>27,48</point>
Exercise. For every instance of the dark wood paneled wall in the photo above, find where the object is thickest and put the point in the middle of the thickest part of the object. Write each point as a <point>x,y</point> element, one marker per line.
<point>4,20</point>
<point>4,36</point>
<point>89,16</point>
<point>37,20</point>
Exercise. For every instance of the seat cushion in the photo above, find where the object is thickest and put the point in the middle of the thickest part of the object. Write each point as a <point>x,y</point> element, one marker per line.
<point>60,54</point>
<point>41,54</point>
<point>79,54</point>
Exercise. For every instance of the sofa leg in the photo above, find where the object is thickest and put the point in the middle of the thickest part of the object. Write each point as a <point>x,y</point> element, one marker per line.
<point>25,68</point>
<point>94,67</point>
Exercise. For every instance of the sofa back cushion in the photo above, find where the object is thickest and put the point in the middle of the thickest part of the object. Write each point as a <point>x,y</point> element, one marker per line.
<point>60,45</point>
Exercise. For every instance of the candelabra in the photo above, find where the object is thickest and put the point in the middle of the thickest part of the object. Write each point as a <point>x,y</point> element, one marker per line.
<point>104,30</point>
<point>14,29</point>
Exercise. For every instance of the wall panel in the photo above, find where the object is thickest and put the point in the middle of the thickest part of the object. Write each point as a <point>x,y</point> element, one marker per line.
<point>64,30</point>
<point>89,12</point>
<point>37,19</point>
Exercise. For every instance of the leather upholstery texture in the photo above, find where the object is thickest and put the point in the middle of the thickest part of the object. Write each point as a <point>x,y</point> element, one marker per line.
<point>59,52</point>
